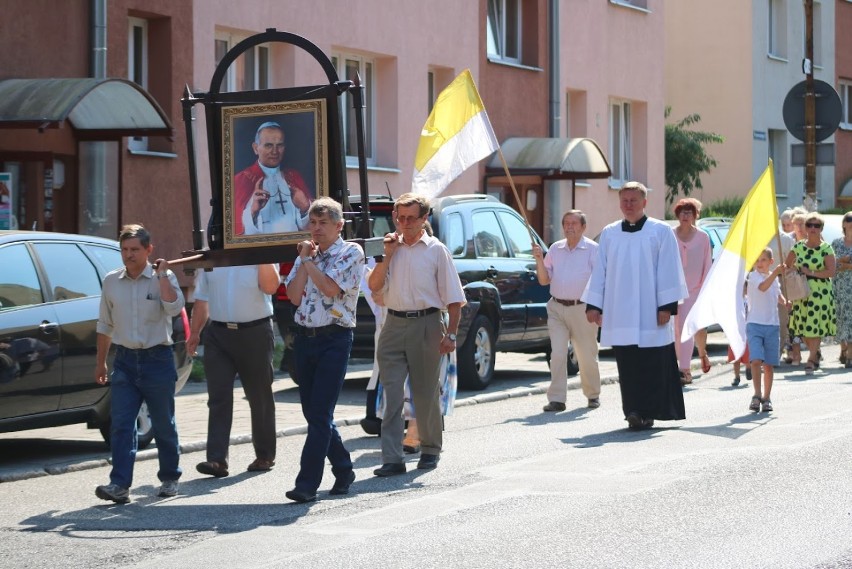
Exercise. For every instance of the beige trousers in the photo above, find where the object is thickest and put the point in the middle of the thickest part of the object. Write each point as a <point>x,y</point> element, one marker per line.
<point>568,324</point>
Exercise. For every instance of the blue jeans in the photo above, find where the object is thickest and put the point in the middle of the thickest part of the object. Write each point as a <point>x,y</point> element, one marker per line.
<point>321,363</point>
<point>150,376</point>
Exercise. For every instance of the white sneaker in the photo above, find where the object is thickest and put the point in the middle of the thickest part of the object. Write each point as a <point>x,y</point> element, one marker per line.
<point>113,492</point>
<point>168,489</point>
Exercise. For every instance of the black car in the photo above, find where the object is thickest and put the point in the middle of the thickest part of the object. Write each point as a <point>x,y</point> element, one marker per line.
<point>492,252</point>
<point>50,288</point>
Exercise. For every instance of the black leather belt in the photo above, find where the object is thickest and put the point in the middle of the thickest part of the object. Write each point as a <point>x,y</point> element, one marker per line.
<point>319,330</point>
<point>412,313</point>
<point>567,302</point>
<point>240,325</point>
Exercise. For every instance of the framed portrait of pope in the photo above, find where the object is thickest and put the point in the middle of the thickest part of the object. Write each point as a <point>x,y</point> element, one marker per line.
<point>273,166</point>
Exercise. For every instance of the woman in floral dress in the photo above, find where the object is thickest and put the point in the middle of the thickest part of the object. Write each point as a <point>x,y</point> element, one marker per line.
<point>813,318</point>
<point>843,290</point>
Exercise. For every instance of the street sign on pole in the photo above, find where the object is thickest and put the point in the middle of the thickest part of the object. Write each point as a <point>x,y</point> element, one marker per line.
<point>829,110</point>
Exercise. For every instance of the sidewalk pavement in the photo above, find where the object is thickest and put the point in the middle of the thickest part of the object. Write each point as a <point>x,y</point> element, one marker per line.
<point>191,402</point>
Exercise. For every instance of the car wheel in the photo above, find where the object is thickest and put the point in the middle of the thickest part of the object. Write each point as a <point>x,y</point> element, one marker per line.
<point>573,366</point>
<point>477,355</point>
<point>291,369</point>
<point>144,428</point>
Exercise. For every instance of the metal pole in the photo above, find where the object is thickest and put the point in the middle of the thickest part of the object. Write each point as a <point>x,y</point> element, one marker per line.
<point>810,110</point>
<point>363,230</point>
<point>197,233</point>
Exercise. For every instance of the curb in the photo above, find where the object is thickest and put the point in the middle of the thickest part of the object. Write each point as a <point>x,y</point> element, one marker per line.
<point>197,446</point>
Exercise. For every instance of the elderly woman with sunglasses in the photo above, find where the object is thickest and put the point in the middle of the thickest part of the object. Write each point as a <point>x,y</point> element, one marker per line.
<point>813,318</point>
<point>843,290</point>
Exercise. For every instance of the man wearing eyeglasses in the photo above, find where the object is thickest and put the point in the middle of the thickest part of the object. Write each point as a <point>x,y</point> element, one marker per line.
<point>418,280</point>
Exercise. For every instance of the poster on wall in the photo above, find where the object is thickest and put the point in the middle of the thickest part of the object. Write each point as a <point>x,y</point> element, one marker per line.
<point>6,208</point>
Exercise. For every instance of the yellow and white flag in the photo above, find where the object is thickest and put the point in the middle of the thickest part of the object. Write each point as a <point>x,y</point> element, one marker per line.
<point>456,135</point>
<point>721,297</point>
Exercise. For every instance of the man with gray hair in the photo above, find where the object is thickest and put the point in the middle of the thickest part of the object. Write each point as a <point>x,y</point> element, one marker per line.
<point>324,285</point>
<point>267,197</point>
<point>418,280</point>
<point>635,287</point>
<point>567,269</point>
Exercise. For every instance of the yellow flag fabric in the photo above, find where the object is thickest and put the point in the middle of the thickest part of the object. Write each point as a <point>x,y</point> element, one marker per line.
<point>721,298</point>
<point>456,135</point>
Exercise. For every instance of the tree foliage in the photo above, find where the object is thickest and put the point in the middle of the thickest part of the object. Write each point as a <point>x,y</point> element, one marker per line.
<point>686,156</point>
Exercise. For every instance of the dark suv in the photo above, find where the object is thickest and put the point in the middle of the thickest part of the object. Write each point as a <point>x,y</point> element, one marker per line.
<point>506,306</point>
<point>50,292</point>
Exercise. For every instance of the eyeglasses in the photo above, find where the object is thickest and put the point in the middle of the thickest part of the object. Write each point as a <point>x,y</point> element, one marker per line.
<point>847,219</point>
<point>689,211</point>
<point>813,225</point>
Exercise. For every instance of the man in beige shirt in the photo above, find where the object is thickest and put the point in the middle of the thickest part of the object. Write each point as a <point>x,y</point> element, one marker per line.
<point>418,280</point>
<point>138,302</point>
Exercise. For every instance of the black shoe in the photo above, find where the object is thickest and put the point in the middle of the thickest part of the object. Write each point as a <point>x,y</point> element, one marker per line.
<point>342,484</point>
<point>554,406</point>
<point>372,425</point>
<point>635,421</point>
<point>300,497</point>
<point>391,469</point>
<point>428,461</point>
<point>736,381</point>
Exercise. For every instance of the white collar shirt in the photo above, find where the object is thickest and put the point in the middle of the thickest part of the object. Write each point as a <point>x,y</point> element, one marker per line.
<point>422,276</point>
<point>233,294</point>
<point>132,313</point>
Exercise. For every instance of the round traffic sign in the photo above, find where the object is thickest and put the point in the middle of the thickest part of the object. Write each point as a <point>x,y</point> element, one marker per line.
<point>828,110</point>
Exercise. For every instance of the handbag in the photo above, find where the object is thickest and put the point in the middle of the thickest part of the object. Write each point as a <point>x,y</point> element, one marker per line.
<point>796,285</point>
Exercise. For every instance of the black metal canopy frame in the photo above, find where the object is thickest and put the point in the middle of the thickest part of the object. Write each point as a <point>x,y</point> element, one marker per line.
<point>214,101</point>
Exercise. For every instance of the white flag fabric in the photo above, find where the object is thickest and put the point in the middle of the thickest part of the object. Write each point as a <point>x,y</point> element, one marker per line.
<point>456,135</point>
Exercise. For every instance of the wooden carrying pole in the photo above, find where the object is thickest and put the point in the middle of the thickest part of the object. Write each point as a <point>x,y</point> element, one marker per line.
<point>521,207</point>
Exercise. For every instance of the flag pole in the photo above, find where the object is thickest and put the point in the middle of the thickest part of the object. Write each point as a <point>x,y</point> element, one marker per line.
<point>781,262</point>
<point>517,198</point>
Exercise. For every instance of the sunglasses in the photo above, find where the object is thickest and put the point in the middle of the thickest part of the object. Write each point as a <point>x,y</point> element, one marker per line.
<point>847,219</point>
<point>814,225</point>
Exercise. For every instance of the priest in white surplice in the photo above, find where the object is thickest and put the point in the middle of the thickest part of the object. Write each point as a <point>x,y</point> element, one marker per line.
<point>632,295</point>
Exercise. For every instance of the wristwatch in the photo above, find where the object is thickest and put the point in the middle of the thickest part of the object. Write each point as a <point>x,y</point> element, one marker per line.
<point>452,337</point>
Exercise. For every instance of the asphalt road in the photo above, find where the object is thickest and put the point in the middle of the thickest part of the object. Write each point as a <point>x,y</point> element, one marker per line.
<point>515,488</point>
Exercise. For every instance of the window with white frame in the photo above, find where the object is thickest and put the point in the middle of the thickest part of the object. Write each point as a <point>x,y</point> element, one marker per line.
<point>350,66</point>
<point>620,143</point>
<point>777,139</point>
<point>504,30</point>
<point>778,28</point>
<point>137,67</point>
<point>844,89</point>
<point>250,71</point>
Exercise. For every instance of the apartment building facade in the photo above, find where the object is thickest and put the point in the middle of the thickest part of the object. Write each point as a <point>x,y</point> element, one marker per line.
<point>733,63</point>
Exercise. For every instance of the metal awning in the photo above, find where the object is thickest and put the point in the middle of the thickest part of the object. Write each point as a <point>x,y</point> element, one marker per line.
<point>552,159</point>
<point>96,108</point>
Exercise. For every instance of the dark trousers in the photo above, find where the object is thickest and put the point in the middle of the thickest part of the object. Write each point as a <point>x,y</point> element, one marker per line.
<point>247,352</point>
<point>149,376</point>
<point>321,363</point>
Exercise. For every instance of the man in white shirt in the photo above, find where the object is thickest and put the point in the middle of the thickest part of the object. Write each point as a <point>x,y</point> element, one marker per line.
<point>635,287</point>
<point>237,302</point>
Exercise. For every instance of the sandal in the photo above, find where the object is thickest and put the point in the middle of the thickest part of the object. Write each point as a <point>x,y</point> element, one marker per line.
<point>705,363</point>
<point>767,406</point>
<point>755,404</point>
<point>736,381</point>
<point>810,367</point>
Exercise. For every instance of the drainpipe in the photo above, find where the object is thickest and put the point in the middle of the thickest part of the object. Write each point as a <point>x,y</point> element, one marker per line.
<point>98,38</point>
<point>551,187</point>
